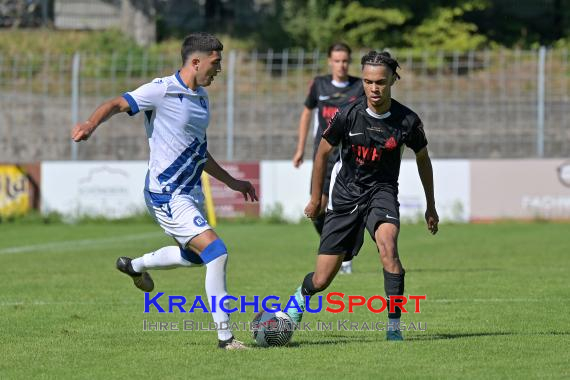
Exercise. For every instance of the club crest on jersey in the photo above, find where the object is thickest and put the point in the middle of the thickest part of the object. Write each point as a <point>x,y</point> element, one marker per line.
<point>391,143</point>
<point>180,96</point>
<point>199,221</point>
<point>203,103</point>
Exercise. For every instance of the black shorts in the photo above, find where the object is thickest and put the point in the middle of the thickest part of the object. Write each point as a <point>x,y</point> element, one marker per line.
<point>343,232</point>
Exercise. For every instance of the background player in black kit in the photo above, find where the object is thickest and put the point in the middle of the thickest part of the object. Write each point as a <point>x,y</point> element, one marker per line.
<point>327,93</point>
<point>372,133</point>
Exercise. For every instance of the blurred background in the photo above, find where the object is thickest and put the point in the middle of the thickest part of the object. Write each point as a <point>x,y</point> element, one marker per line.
<point>489,78</point>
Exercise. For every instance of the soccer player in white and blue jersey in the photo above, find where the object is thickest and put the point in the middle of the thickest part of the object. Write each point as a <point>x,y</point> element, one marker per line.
<point>176,115</point>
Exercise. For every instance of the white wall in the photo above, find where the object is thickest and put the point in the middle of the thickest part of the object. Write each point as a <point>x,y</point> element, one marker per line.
<point>282,184</point>
<point>452,190</point>
<point>520,189</point>
<point>464,190</point>
<point>112,189</point>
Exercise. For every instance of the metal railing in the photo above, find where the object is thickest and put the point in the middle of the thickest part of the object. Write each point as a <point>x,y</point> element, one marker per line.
<point>479,104</point>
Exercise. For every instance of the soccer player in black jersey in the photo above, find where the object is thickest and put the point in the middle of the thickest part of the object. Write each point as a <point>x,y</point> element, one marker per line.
<point>372,133</point>
<point>327,94</point>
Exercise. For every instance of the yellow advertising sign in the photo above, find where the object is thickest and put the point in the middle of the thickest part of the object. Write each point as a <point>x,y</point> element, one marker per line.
<point>14,191</point>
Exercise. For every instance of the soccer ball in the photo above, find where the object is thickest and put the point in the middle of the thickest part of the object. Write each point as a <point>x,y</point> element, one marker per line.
<point>272,329</point>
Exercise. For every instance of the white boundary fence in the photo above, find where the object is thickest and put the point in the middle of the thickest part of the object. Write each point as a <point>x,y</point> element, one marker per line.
<point>465,190</point>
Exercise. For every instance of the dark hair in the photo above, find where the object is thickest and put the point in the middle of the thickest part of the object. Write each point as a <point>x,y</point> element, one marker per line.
<point>383,58</point>
<point>200,41</point>
<point>339,46</point>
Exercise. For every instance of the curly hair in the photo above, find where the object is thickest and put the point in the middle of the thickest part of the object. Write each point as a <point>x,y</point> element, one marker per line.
<point>383,58</point>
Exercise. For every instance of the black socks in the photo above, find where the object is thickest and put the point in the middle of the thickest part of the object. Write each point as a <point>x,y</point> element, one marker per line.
<point>308,289</point>
<point>394,286</point>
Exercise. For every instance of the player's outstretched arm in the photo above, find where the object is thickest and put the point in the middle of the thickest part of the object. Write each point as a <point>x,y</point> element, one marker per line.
<point>219,173</point>
<point>319,170</point>
<point>304,124</point>
<point>82,131</point>
<point>426,175</point>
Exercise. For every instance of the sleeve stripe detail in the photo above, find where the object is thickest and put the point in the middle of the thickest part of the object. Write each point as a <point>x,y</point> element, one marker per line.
<point>132,103</point>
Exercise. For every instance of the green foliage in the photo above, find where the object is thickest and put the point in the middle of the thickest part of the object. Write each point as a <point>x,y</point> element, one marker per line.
<point>274,215</point>
<point>319,24</point>
<point>33,217</point>
<point>451,25</point>
<point>563,43</point>
<point>110,41</point>
<point>41,41</point>
<point>445,30</point>
<point>299,21</point>
<point>372,27</point>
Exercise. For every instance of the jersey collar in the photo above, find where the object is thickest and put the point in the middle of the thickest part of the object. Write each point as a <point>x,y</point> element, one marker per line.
<point>177,75</point>
<point>377,116</point>
<point>340,84</point>
<point>198,91</point>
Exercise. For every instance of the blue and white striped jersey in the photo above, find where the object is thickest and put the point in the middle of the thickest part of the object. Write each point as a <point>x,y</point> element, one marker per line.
<point>176,119</point>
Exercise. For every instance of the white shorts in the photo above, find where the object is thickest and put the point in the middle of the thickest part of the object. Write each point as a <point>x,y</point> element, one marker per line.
<point>181,217</point>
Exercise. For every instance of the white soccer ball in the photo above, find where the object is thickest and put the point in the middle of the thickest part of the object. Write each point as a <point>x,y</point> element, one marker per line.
<point>272,329</point>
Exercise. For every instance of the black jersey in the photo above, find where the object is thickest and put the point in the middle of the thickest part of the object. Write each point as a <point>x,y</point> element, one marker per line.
<point>329,98</point>
<point>371,149</point>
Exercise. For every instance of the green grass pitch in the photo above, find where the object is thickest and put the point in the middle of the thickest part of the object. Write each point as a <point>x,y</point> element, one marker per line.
<point>497,305</point>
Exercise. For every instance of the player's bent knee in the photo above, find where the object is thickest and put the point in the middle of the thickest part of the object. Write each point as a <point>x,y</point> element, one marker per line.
<point>214,250</point>
<point>387,248</point>
<point>191,256</point>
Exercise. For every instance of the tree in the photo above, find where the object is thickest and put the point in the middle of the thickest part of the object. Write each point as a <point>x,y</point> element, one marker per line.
<point>318,23</point>
<point>445,29</point>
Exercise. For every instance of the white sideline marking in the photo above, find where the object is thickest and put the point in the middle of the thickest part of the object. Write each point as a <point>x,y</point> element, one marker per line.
<point>71,245</point>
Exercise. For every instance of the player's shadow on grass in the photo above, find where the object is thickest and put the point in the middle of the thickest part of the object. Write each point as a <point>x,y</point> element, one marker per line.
<point>346,339</point>
<point>335,339</point>
<point>446,270</point>
<point>459,335</point>
<point>349,339</point>
<point>479,334</point>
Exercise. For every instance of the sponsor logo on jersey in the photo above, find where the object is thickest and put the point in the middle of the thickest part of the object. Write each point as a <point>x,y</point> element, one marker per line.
<point>366,154</point>
<point>328,113</point>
